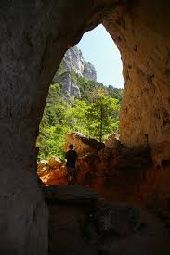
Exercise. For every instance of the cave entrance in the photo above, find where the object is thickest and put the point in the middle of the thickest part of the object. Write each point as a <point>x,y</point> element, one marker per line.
<point>85,95</point>
<point>34,38</point>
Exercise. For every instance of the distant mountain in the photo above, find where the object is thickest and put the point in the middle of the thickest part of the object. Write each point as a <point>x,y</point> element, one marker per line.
<point>78,78</point>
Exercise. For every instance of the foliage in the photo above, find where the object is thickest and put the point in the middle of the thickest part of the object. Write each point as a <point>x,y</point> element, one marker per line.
<point>102,115</point>
<point>95,115</point>
<point>76,116</point>
<point>115,93</point>
<point>52,127</point>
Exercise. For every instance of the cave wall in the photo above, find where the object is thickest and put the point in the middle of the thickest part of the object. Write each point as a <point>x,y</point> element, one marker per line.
<point>141,31</point>
<point>30,45</point>
<point>34,36</point>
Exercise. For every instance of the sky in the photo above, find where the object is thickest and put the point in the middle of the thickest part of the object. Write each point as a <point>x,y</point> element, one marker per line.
<point>98,48</point>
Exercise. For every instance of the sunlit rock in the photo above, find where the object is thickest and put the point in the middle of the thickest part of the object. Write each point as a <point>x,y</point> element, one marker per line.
<point>34,38</point>
<point>73,63</point>
<point>82,144</point>
<point>54,163</point>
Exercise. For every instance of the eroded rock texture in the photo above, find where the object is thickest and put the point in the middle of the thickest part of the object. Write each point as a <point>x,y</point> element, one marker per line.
<point>73,62</point>
<point>34,36</point>
<point>142,35</point>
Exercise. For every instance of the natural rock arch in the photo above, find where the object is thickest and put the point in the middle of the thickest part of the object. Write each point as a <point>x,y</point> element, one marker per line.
<point>34,37</point>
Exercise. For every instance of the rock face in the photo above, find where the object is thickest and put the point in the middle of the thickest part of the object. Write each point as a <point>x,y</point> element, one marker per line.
<point>90,71</point>
<point>118,173</point>
<point>145,116</point>
<point>73,61</point>
<point>68,86</point>
<point>34,37</point>
<point>80,224</point>
<point>83,145</point>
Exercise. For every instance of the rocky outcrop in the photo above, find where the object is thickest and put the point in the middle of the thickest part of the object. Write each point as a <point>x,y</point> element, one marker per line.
<point>74,62</point>
<point>82,144</point>
<point>90,71</point>
<point>95,161</point>
<point>34,37</point>
<point>68,86</point>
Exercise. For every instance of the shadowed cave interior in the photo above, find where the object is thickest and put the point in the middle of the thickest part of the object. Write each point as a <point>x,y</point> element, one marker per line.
<point>38,219</point>
<point>129,176</point>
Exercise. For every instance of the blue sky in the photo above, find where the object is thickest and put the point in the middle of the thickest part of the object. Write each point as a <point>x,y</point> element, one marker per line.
<point>99,49</point>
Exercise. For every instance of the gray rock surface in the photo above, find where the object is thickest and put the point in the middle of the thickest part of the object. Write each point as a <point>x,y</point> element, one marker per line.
<point>73,61</point>
<point>90,71</point>
<point>68,86</point>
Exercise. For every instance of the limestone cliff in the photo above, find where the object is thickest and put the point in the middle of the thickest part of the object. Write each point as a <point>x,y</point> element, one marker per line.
<point>34,36</point>
<point>74,60</point>
<point>72,63</point>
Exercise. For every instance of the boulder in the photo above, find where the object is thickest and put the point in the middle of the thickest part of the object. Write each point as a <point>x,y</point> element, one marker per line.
<point>54,163</point>
<point>82,144</point>
<point>42,167</point>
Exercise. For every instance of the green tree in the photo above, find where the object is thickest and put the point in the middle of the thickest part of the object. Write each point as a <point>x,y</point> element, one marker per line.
<point>102,115</point>
<point>53,125</point>
<point>95,115</point>
<point>115,92</point>
<point>75,116</point>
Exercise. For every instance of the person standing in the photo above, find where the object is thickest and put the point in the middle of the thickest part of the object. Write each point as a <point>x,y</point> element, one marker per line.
<point>71,156</point>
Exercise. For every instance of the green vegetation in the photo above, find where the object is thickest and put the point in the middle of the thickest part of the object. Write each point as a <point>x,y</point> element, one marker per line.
<point>52,127</point>
<point>102,115</point>
<point>95,115</point>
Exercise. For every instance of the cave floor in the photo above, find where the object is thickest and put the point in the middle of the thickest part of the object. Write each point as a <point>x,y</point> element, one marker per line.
<point>80,222</point>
